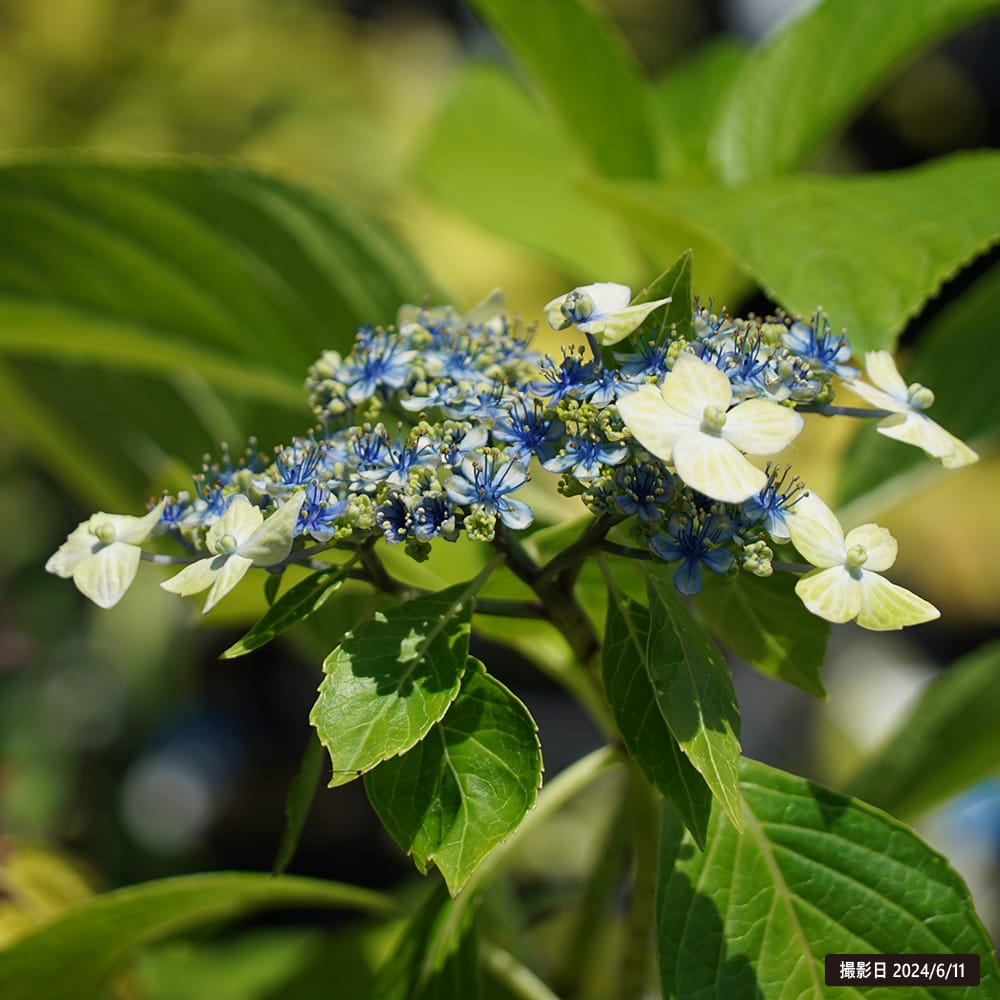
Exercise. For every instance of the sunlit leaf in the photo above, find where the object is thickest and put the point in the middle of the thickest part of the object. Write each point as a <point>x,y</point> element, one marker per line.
<point>391,679</point>
<point>466,786</point>
<point>643,727</point>
<point>812,873</point>
<point>694,693</point>
<point>870,250</point>
<point>295,605</point>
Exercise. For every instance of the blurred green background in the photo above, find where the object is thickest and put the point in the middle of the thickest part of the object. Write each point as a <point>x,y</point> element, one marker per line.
<point>123,740</point>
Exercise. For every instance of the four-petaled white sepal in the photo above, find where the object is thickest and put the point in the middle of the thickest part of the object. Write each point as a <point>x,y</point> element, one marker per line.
<point>688,422</point>
<point>907,421</point>
<point>846,584</point>
<point>241,538</point>
<point>102,554</point>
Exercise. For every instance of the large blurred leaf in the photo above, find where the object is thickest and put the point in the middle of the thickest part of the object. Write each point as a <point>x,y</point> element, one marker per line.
<point>806,81</point>
<point>193,296</point>
<point>694,692</point>
<point>643,728</point>
<point>764,623</point>
<point>958,359</point>
<point>588,75</point>
<point>948,741</point>
<point>466,786</point>
<point>871,250</point>
<point>685,102</point>
<point>813,873</point>
<point>71,956</point>
<point>391,680</point>
<point>505,163</point>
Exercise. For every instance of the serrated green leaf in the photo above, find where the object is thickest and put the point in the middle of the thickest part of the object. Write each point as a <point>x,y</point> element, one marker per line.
<point>391,680</point>
<point>644,730</point>
<point>587,73</point>
<point>72,955</point>
<point>764,623</point>
<point>436,957</point>
<point>518,177</point>
<point>297,604</point>
<point>948,740</point>
<point>298,802</point>
<point>808,80</point>
<point>812,873</point>
<point>466,786</point>
<point>956,357</point>
<point>871,250</point>
<point>675,284</point>
<point>694,693</point>
<point>154,305</point>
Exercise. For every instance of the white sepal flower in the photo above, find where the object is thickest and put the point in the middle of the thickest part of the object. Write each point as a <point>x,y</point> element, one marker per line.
<point>688,422</point>
<point>908,422</point>
<point>601,310</point>
<point>102,554</point>
<point>846,584</point>
<point>241,538</point>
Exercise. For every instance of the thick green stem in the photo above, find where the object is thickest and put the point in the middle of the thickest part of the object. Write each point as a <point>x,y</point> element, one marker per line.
<point>563,610</point>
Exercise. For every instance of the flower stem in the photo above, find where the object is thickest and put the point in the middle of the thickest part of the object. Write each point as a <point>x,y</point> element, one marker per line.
<point>829,410</point>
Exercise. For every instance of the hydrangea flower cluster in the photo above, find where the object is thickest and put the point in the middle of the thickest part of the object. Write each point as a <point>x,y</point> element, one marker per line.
<point>429,429</point>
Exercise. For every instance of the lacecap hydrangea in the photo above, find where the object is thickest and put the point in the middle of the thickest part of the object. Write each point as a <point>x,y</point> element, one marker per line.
<point>429,430</point>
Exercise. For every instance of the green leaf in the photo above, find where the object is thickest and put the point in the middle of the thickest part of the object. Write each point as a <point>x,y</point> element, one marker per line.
<point>687,99</point>
<point>957,358</point>
<point>807,81</point>
<point>644,730</point>
<point>812,873</point>
<point>519,177</point>
<point>585,70</point>
<point>674,283</point>
<point>948,740</point>
<point>152,305</point>
<point>694,693</point>
<point>467,785</point>
<point>870,249</point>
<point>72,955</point>
<point>301,793</point>
<point>391,680</point>
<point>764,623</point>
<point>297,604</point>
<point>436,957</point>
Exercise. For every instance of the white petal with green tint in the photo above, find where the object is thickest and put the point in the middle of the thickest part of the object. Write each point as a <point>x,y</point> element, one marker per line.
<point>80,544</point>
<point>831,594</point>
<point>195,578</point>
<point>108,573</point>
<point>816,532</point>
<point>882,370</point>
<point>232,571</point>
<point>886,605</point>
<point>273,539</point>
<point>133,530</point>
<point>651,422</point>
<point>759,427</point>
<point>239,522</point>
<point>714,467</point>
<point>693,384</point>
<point>615,328</point>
